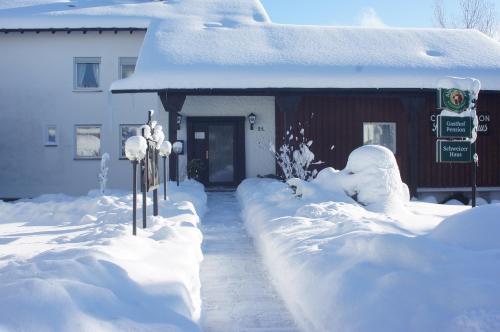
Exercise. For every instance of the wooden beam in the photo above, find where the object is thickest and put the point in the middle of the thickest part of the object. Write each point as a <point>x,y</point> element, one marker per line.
<point>172,103</point>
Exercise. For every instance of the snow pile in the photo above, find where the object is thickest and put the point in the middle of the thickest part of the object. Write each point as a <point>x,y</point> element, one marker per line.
<point>371,177</point>
<point>475,229</point>
<point>340,267</point>
<point>71,263</point>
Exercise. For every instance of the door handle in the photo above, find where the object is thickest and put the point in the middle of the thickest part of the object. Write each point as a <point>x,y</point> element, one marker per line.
<point>206,155</point>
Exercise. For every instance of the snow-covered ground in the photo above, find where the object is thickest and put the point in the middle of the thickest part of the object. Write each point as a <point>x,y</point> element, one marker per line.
<point>71,263</point>
<point>341,267</point>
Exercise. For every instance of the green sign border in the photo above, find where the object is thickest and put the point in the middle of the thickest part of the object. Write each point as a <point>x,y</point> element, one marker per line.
<point>439,156</point>
<point>441,125</point>
<point>444,100</point>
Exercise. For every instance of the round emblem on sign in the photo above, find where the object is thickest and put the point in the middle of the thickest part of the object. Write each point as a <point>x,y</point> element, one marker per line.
<point>455,100</point>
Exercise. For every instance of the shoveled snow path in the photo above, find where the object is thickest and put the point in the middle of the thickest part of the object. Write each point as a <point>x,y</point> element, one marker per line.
<point>236,292</point>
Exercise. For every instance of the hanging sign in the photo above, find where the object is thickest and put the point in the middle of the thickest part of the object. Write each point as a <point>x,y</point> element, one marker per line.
<point>454,151</point>
<point>482,129</point>
<point>453,127</point>
<point>454,100</point>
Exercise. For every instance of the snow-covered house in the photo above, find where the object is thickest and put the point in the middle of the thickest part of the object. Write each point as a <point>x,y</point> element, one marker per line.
<point>66,83</point>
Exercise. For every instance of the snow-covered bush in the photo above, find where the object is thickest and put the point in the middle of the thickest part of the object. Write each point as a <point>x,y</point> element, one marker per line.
<point>103,174</point>
<point>295,157</point>
<point>371,177</point>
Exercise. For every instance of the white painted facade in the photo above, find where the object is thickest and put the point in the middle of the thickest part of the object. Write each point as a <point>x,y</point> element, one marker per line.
<point>36,90</point>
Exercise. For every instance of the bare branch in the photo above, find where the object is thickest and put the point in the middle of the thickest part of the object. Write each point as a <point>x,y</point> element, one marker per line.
<point>478,14</point>
<point>474,14</point>
<point>439,14</point>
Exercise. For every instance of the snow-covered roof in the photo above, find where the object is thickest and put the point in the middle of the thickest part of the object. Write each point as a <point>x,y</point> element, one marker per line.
<point>61,14</point>
<point>240,54</point>
<point>233,44</point>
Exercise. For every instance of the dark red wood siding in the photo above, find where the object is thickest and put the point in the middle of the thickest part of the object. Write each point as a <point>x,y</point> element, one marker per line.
<point>337,121</point>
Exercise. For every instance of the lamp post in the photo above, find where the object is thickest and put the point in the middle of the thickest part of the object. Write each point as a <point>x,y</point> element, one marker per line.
<point>178,148</point>
<point>135,151</point>
<point>165,150</point>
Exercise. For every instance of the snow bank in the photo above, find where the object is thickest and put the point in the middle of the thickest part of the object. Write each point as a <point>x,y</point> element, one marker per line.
<point>340,267</point>
<point>476,229</point>
<point>71,263</point>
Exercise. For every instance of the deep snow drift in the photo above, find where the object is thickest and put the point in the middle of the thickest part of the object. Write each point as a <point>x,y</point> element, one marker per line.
<point>341,267</point>
<point>71,263</point>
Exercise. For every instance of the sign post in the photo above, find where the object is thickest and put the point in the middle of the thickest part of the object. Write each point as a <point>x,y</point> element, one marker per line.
<point>457,130</point>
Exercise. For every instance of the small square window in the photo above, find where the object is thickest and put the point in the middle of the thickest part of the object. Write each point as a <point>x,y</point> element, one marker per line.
<point>88,141</point>
<point>86,75</point>
<point>127,67</point>
<point>380,133</point>
<point>50,135</point>
<point>127,131</point>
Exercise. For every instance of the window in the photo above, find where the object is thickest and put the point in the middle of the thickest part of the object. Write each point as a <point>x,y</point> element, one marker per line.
<point>88,141</point>
<point>86,75</point>
<point>50,135</point>
<point>381,133</point>
<point>127,131</point>
<point>127,67</point>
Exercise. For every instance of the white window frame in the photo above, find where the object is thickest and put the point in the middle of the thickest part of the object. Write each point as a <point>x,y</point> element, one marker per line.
<point>78,60</point>
<point>46,135</point>
<point>120,155</point>
<point>125,61</point>
<point>76,156</point>
<point>384,123</point>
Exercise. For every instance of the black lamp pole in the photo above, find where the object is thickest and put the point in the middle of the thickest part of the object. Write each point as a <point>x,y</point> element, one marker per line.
<point>134,190</point>
<point>177,168</point>
<point>165,178</point>
<point>144,176</point>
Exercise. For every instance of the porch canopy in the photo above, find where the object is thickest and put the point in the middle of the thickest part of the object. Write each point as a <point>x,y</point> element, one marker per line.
<point>224,46</point>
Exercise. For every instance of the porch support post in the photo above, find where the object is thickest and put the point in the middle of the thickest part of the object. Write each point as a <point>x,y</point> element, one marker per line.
<point>172,103</point>
<point>414,107</point>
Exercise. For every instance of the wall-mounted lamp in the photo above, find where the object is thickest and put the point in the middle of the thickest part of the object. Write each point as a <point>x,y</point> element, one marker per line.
<point>251,119</point>
<point>179,121</point>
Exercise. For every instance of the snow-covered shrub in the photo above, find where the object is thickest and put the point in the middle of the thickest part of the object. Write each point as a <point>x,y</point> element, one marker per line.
<point>103,174</point>
<point>372,177</point>
<point>295,157</point>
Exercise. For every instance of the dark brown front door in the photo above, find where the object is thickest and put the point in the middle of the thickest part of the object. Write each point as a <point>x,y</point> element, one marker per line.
<point>216,148</point>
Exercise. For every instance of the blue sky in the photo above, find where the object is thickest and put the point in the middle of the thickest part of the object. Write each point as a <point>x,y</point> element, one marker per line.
<point>396,13</point>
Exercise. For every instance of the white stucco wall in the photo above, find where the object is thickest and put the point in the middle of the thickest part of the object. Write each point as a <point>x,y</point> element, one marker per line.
<point>36,88</point>
<point>259,160</point>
